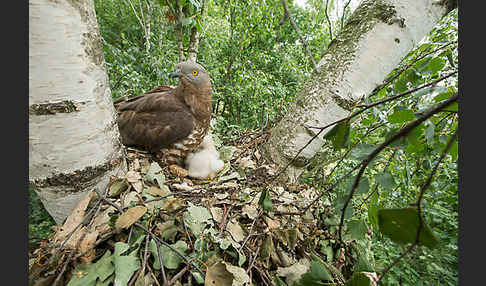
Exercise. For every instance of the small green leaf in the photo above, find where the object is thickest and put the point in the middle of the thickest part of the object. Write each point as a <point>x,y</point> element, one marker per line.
<point>359,279</point>
<point>429,133</point>
<point>401,116</point>
<point>361,151</point>
<point>266,201</point>
<point>435,65</point>
<point>125,265</point>
<point>357,229</point>
<point>442,96</point>
<point>385,180</point>
<point>401,225</point>
<point>339,134</point>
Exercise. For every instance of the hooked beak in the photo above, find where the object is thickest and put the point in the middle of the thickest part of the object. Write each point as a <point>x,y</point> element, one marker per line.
<point>176,73</point>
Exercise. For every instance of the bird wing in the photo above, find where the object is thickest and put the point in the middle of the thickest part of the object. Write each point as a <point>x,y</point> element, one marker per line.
<point>154,121</point>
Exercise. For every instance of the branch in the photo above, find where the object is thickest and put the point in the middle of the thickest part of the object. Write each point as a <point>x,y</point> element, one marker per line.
<point>289,16</point>
<point>403,132</point>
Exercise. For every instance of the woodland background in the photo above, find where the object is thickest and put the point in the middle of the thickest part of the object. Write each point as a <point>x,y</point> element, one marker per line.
<point>258,62</point>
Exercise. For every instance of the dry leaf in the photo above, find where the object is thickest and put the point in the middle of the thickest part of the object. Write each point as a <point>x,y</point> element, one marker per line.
<point>74,219</point>
<point>272,224</point>
<point>183,187</point>
<point>235,230</point>
<point>133,176</point>
<point>217,214</point>
<point>88,241</point>
<point>129,217</point>
<point>154,191</point>
<point>178,171</point>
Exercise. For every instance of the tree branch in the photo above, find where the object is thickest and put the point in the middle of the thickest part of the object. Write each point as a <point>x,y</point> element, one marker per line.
<point>309,53</point>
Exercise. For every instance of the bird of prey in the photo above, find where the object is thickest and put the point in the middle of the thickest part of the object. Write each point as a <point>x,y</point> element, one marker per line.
<point>169,121</point>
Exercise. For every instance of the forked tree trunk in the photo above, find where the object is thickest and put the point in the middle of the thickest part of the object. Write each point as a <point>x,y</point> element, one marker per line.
<point>375,39</point>
<point>74,143</point>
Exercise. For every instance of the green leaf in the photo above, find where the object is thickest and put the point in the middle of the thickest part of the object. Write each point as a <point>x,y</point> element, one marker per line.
<point>318,271</point>
<point>266,201</point>
<point>442,96</point>
<point>373,209</point>
<point>435,65</point>
<point>88,274</point>
<point>359,279</point>
<point>363,185</point>
<point>170,259</point>
<point>385,180</point>
<point>401,225</point>
<point>429,133</point>
<point>361,151</point>
<point>125,265</point>
<point>401,116</point>
<point>357,229</point>
<point>339,134</point>
<point>84,275</point>
<point>197,218</point>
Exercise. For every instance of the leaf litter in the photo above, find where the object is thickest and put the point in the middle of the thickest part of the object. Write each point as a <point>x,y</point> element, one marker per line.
<point>239,228</point>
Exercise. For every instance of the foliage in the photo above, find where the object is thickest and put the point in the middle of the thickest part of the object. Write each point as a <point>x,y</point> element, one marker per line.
<point>40,222</point>
<point>399,173</point>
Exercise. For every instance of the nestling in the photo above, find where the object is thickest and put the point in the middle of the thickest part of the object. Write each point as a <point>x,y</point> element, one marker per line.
<point>204,163</point>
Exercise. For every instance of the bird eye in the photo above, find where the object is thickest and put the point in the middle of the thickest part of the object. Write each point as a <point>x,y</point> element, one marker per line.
<point>195,72</point>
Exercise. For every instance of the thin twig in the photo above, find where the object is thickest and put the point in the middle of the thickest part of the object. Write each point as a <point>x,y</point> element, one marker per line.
<point>328,21</point>
<point>164,278</point>
<point>304,42</point>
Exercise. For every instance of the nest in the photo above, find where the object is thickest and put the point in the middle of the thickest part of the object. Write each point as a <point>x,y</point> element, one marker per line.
<point>156,226</point>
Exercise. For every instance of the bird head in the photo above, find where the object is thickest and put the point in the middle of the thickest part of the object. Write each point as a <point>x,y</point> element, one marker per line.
<point>190,72</point>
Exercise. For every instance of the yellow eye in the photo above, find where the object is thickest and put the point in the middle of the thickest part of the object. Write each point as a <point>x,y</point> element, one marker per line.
<point>194,72</point>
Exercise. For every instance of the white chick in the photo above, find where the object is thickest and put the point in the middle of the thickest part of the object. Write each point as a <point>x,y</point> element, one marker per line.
<point>205,161</point>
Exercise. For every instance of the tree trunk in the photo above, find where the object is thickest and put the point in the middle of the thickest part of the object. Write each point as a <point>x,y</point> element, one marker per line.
<point>373,42</point>
<point>194,40</point>
<point>74,144</point>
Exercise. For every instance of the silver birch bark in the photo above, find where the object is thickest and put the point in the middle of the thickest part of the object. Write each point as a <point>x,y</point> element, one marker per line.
<point>375,38</point>
<point>74,143</point>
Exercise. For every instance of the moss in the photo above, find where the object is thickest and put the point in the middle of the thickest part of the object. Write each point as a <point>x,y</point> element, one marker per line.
<point>66,106</point>
<point>92,41</point>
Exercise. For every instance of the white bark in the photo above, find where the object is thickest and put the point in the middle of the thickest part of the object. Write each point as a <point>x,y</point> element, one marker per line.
<point>378,35</point>
<point>76,147</point>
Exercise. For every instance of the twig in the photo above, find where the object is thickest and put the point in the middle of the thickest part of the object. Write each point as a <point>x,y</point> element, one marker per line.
<point>404,131</point>
<point>164,278</point>
<point>328,20</point>
<point>304,42</point>
<point>344,13</point>
<point>178,275</point>
<point>251,229</point>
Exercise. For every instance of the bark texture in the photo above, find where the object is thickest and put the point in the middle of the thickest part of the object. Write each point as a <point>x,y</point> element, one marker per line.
<point>376,37</point>
<point>74,143</point>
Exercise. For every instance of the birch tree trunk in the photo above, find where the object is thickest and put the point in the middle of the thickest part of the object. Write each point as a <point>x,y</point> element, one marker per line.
<point>375,39</point>
<point>74,144</point>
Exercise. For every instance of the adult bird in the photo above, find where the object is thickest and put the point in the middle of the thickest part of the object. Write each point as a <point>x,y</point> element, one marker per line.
<point>169,121</point>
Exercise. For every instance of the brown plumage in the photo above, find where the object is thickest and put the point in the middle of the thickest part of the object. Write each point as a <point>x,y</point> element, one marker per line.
<point>169,121</point>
